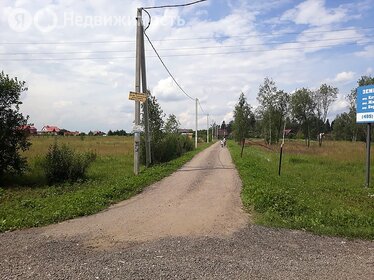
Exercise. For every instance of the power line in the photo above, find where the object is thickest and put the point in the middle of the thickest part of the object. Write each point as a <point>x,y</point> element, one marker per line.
<point>187,55</point>
<point>187,48</point>
<point>173,6</point>
<point>201,107</point>
<point>187,39</point>
<point>166,68</point>
<point>264,35</point>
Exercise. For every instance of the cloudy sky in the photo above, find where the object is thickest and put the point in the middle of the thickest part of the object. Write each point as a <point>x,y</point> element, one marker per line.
<point>77,57</point>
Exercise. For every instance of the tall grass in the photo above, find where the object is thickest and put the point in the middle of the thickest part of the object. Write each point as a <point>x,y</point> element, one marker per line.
<point>102,146</point>
<point>321,192</point>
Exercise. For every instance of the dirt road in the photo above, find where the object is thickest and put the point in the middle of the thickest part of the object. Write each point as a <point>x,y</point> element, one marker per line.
<point>188,226</point>
<point>200,199</point>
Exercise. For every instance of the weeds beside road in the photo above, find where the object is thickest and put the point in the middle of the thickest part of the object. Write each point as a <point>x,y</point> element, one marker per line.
<point>321,194</point>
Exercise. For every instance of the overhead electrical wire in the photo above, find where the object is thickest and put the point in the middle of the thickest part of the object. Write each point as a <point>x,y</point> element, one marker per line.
<point>174,6</point>
<point>188,39</point>
<point>189,48</point>
<point>166,68</point>
<point>201,107</point>
<point>189,55</point>
<point>156,52</point>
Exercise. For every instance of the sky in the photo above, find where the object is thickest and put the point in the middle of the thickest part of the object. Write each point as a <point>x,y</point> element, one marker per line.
<point>77,57</point>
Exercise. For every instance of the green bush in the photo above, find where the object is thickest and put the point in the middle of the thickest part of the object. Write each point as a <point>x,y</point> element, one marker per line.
<point>170,146</point>
<point>63,164</point>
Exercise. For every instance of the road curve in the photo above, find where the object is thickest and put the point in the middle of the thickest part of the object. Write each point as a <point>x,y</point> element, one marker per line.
<point>188,226</point>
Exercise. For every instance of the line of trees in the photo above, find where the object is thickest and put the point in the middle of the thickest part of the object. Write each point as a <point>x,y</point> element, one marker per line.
<point>304,111</point>
<point>166,142</point>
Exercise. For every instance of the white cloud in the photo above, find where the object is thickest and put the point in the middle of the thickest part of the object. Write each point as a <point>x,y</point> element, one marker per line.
<point>344,77</point>
<point>368,52</point>
<point>166,90</point>
<point>61,104</point>
<point>314,12</point>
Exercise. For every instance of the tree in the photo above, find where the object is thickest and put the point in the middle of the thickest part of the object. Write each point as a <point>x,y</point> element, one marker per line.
<point>229,127</point>
<point>327,127</point>
<point>266,98</point>
<point>13,138</point>
<point>303,107</point>
<point>244,119</point>
<point>156,124</point>
<point>172,124</point>
<point>281,110</point>
<point>273,109</point>
<point>342,127</point>
<point>324,97</point>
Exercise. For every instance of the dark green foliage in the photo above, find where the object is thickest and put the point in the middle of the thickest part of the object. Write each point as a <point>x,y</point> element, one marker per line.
<point>13,139</point>
<point>166,143</point>
<point>244,119</point>
<point>272,111</point>
<point>169,147</point>
<point>172,124</point>
<point>117,132</point>
<point>63,164</point>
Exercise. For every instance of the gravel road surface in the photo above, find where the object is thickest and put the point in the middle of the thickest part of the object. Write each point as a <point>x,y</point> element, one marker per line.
<point>188,226</point>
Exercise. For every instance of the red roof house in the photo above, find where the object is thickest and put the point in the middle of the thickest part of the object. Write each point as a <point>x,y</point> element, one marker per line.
<point>50,129</point>
<point>29,129</point>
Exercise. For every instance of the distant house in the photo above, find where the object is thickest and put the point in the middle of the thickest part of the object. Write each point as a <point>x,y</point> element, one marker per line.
<point>50,130</point>
<point>222,133</point>
<point>187,132</point>
<point>98,133</point>
<point>29,129</point>
<point>287,132</point>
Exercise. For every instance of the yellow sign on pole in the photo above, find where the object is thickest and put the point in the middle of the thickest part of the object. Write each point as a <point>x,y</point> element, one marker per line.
<point>137,96</point>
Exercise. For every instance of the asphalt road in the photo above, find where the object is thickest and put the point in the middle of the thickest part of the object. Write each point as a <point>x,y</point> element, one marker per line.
<point>188,226</point>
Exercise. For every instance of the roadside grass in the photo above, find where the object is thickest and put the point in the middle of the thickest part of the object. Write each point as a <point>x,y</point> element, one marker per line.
<point>321,193</point>
<point>29,202</point>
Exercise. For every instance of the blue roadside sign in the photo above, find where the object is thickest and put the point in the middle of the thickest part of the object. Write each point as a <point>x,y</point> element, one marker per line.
<point>365,104</point>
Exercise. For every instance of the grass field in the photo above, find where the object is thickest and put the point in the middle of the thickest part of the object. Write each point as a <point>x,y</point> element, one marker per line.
<point>320,189</point>
<point>26,201</point>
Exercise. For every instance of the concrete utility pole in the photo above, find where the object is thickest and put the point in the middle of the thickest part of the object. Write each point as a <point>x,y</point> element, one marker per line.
<point>207,128</point>
<point>197,100</point>
<point>145,91</point>
<point>137,89</point>
<point>140,77</point>
<point>212,130</point>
